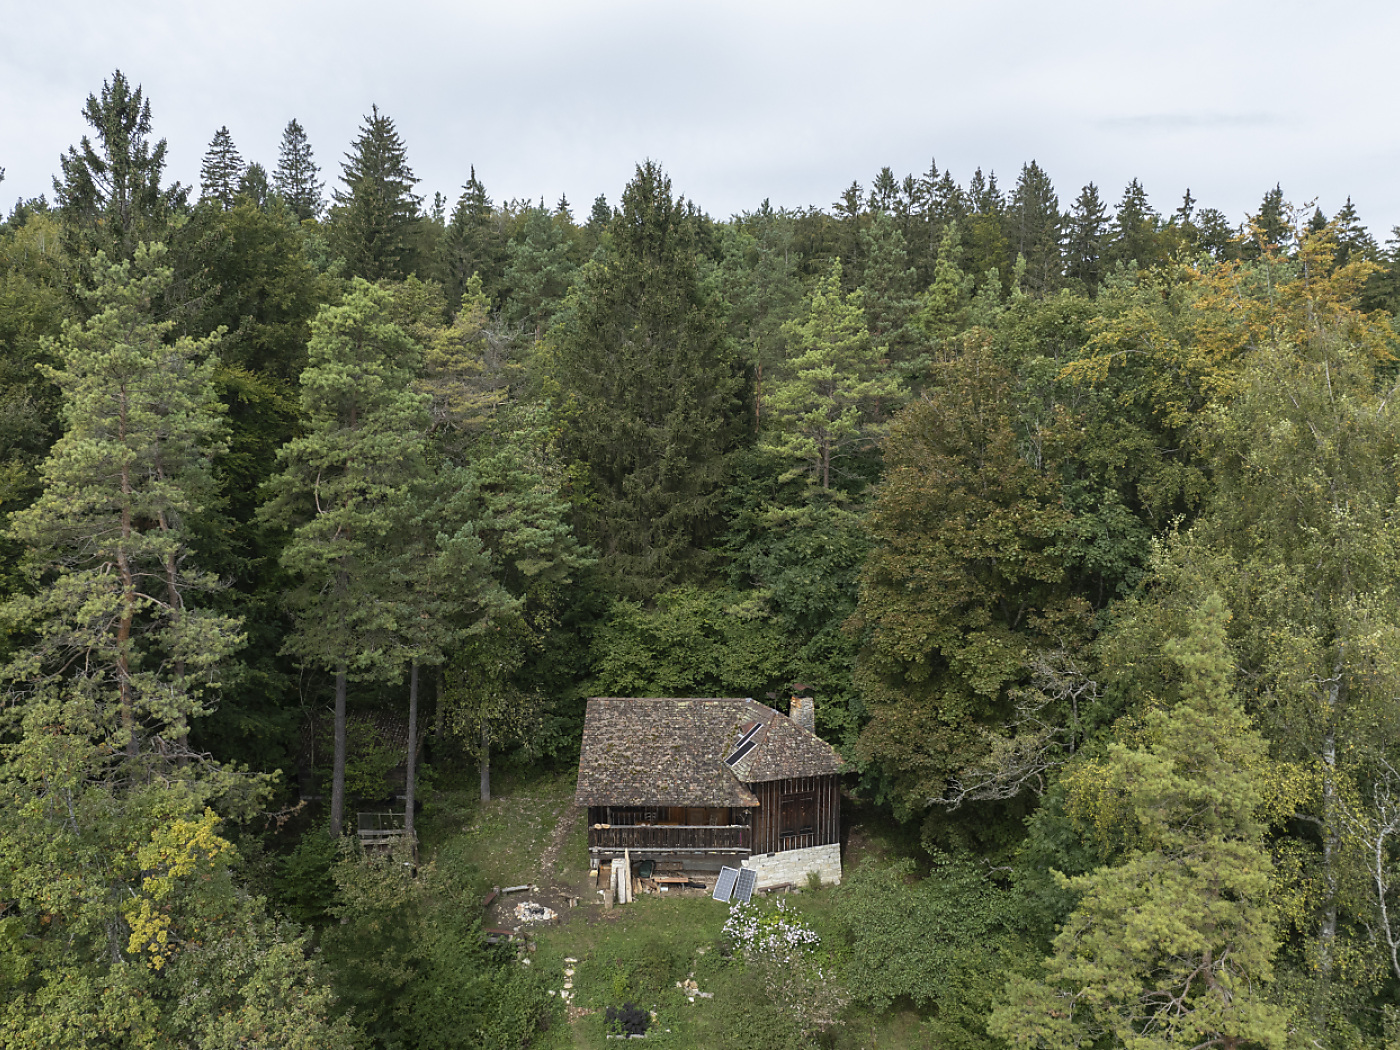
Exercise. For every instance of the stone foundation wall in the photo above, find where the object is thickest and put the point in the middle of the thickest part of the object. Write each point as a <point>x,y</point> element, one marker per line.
<point>795,865</point>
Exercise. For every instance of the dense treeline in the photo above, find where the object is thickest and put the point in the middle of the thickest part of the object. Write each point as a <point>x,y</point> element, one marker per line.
<point>1081,524</point>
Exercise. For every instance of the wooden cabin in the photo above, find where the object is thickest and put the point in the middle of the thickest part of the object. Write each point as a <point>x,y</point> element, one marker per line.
<point>702,783</point>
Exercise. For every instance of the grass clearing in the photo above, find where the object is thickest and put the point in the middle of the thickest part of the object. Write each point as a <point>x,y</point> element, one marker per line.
<point>639,953</point>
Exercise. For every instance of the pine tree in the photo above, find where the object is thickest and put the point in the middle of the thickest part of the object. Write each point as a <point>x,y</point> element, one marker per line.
<point>654,393</point>
<point>1036,229</point>
<point>827,404</point>
<point>1084,246</point>
<point>374,220</point>
<point>221,170</point>
<point>1174,946</point>
<point>110,194</point>
<point>117,883</point>
<point>110,534</point>
<point>343,488</point>
<point>297,176</point>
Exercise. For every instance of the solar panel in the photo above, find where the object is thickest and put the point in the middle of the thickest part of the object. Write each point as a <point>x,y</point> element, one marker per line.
<point>743,890</point>
<point>724,885</point>
<point>739,753</point>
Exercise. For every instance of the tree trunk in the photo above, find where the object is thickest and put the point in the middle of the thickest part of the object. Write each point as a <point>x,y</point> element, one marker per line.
<point>439,711</point>
<point>412,756</point>
<point>485,764</point>
<point>338,770</point>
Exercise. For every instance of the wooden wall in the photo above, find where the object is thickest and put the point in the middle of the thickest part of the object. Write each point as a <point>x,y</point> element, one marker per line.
<point>795,814</point>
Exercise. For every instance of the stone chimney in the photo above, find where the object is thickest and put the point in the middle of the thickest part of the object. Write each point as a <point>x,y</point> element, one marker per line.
<point>802,710</point>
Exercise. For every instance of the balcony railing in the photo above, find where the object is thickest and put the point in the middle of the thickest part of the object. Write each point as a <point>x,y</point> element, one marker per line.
<point>666,837</point>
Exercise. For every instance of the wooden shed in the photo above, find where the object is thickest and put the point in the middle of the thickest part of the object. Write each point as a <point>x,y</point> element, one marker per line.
<point>711,781</point>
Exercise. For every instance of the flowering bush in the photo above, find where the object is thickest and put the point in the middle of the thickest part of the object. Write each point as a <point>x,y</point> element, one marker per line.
<point>780,932</point>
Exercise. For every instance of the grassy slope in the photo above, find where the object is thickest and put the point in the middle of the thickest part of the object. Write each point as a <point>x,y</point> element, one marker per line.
<point>636,953</point>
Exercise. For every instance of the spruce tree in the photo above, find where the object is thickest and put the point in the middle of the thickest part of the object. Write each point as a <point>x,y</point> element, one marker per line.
<point>1084,245</point>
<point>1272,226</point>
<point>1036,229</point>
<point>540,270</point>
<point>375,218</point>
<point>887,283</point>
<point>653,391</point>
<point>254,185</point>
<point>221,171</point>
<point>1354,243</point>
<point>1133,234</point>
<point>110,193</point>
<point>472,243</point>
<point>297,176</point>
<point>343,487</point>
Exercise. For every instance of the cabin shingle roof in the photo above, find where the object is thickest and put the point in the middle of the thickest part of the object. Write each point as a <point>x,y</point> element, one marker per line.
<point>670,752</point>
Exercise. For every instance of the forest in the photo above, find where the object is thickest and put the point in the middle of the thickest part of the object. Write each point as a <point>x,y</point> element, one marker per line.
<point>1080,522</point>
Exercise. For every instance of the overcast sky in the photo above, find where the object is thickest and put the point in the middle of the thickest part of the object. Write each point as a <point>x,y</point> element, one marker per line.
<point>745,100</point>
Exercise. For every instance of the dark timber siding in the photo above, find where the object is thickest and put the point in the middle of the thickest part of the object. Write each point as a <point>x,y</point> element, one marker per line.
<point>795,814</point>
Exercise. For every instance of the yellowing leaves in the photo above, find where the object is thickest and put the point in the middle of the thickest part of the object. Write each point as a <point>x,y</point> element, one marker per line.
<point>179,853</point>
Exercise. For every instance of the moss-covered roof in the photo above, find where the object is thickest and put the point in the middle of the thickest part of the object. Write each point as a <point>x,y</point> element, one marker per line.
<point>671,751</point>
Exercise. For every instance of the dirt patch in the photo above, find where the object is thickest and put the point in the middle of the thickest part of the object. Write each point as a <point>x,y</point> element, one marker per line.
<point>546,887</point>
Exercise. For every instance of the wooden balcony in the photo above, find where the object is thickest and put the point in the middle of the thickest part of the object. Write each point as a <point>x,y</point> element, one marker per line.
<point>670,838</point>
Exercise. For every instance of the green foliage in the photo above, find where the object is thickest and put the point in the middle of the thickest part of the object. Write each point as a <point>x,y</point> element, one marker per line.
<point>946,942</point>
<point>1173,946</point>
<point>962,587</point>
<point>824,401</point>
<point>110,195</point>
<point>374,221</point>
<point>410,959</point>
<point>343,481</point>
<point>305,879</point>
<point>652,392</point>
<point>692,643</point>
<point>297,176</point>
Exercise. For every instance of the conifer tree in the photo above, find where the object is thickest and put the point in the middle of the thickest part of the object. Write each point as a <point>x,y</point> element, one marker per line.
<point>1272,226</point>
<point>110,535</point>
<point>374,219</point>
<point>1354,243</point>
<point>1084,246</point>
<point>110,193</point>
<point>654,392</point>
<point>827,405</point>
<point>343,488</point>
<point>1174,946</point>
<point>985,246</point>
<point>254,184</point>
<point>1036,227</point>
<point>472,243</point>
<point>221,170</point>
<point>1133,234</point>
<point>540,270</point>
<point>887,284</point>
<point>123,925</point>
<point>297,178</point>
